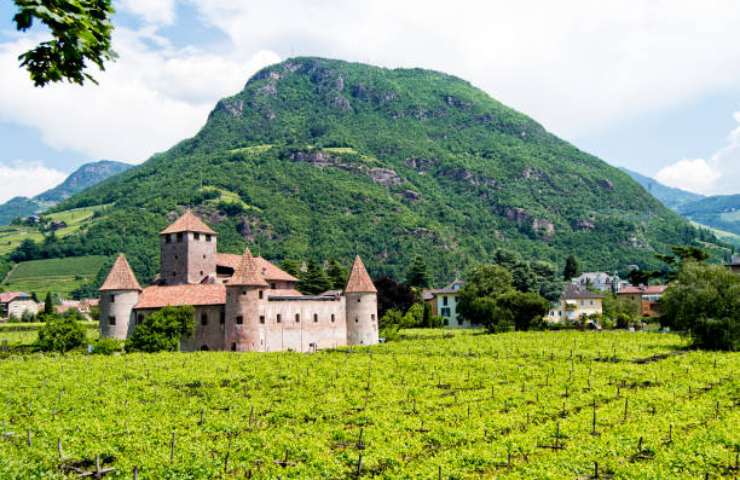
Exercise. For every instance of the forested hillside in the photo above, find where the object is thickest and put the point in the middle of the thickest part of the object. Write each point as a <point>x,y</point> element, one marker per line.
<point>320,158</point>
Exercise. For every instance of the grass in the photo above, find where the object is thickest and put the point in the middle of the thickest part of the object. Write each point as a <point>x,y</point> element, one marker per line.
<point>445,404</point>
<point>11,236</point>
<point>25,334</point>
<point>57,275</point>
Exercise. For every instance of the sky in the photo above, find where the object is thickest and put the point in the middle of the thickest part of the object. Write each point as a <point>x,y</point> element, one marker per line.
<point>650,85</point>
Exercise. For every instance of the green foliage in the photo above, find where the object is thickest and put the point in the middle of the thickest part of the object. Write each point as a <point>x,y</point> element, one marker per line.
<point>60,275</point>
<point>81,33</point>
<point>314,280</point>
<point>291,266</point>
<point>399,160</point>
<point>393,295</point>
<point>48,304</point>
<point>107,346</point>
<point>571,269</point>
<point>60,334</point>
<point>162,330</point>
<point>414,317</point>
<point>417,275</point>
<point>720,211</point>
<point>337,274</point>
<point>524,310</point>
<point>537,277</point>
<point>705,302</point>
<point>620,311</point>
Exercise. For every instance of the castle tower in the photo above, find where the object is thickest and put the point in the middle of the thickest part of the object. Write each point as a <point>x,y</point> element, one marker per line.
<point>362,306</point>
<point>246,303</point>
<point>118,295</point>
<point>187,251</point>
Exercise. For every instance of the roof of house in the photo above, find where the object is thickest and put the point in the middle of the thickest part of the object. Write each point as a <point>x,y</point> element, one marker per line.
<point>453,288</point>
<point>359,280</point>
<point>247,273</point>
<point>573,291</point>
<point>157,296</point>
<point>268,270</point>
<point>643,290</point>
<point>6,297</point>
<point>188,222</point>
<point>120,277</point>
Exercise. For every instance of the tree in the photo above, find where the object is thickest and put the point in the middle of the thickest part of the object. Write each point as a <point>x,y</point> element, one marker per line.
<point>524,309</point>
<point>417,274</point>
<point>704,301</point>
<point>414,317</point>
<point>60,334</point>
<point>81,33</point>
<point>620,310</point>
<point>571,269</point>
<point>48,304</point>
<point>162,330</point>
<point>337,274</point>
<point>484,281</point>
<point>314,280</point>
<point>392,294</point>
<point>27,250</point>
<point>292,267</point>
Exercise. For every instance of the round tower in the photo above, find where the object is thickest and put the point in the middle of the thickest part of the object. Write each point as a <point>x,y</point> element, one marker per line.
<point>118,296</point>
<point>361,298</point>
<point>246,303</point>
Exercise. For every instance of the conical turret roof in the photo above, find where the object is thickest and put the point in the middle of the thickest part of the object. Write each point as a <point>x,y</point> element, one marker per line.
<point>188,222</point>
<point>247,272</point>
<point>359,280</point>
<point>120,277</point>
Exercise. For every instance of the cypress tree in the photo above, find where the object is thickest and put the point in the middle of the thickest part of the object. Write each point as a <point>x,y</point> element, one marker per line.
<point>571,268</point>
<point>314,280</point>
<point>48,304</point>
<point>417,275</point>
<point>337,274</point>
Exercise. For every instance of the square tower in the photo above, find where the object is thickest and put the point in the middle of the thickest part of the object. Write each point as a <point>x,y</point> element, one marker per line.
<point>187,251</point>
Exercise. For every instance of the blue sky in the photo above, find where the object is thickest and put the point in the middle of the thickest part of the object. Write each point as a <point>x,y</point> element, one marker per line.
<point>654,87</point>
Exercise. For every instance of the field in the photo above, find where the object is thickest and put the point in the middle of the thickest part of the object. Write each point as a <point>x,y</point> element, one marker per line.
<point>23,335</point>
<point>59,275</point>
<point>434,405</point>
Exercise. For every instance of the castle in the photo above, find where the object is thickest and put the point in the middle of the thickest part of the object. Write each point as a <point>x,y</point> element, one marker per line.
<point>241,302</point>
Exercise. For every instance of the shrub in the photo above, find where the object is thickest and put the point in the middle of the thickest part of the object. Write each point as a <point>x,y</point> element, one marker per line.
<point>161,331</point>
<point>107,346</point>
<point>60,334</point>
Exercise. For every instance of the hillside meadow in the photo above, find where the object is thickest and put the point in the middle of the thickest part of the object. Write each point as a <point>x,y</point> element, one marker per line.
<point>57,275</point>
<point>436,404</point>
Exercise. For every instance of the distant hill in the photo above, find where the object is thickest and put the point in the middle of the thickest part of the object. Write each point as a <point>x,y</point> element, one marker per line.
<point>84,177</point>
<point>319,158</point>
<point>672,198</point>
<point>719,211</point>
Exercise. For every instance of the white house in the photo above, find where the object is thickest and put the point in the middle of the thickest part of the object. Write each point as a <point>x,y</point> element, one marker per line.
<point>444,303</point>
<point>600,281</point>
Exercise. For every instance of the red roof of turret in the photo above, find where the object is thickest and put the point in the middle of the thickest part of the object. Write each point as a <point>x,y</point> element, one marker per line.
<point>359,280</point>
<point>188,222</point>
<point>120,277</point>
<point>247,272</point>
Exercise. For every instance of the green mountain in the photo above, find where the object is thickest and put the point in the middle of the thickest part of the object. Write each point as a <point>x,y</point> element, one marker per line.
<point>673,198</point>
<point>719,211</point>
<point>319,158</point>
<point>86,176</point>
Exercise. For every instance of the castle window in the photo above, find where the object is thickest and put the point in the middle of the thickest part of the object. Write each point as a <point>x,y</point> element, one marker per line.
<point>201,272</point>
<point>112,298</point>
<point>239,320</point>
<point>208,238</point>
<point>372,317</point>
<point>332,318</point>
<point>262,294</point>
<point>204,319</point>
<point>358,300</point>
<point>204,256</point>
<point>222,318</point>
<point>262,319</point>
<point>167,238</point>
<point>244,292</point>
<point>179,236</point>
<point>176,257</point>
<point>111,320</point>
<point>297,317</point>
<point>315,317</point>
<point>272,286</point>
<point>279,318</point>
<point>233,347</point>
<point>196,236</point>
<point>357,320</point>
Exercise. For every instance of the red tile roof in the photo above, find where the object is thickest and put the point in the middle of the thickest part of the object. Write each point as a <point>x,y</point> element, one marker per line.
<point>359,280</point>
<point>178,295</point>
<point>188,222</point>
<point>247,273</point>
<point>120,277</point>
<point>6,297</point>
<point>268,270</point>
<point>643,290</point>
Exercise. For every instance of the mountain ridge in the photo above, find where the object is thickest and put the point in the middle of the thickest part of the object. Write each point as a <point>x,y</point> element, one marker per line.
<point>322,158</point>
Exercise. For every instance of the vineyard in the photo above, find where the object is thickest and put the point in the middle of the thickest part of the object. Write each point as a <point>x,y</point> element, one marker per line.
<point>568,405</point>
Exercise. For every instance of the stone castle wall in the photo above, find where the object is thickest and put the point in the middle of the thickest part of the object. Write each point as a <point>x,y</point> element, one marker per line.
<point>187,257</point>
<point>115,313</point>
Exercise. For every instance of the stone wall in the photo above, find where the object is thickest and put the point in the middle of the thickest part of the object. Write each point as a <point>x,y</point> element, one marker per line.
<point>187,257</point>
<point>210,335</point>
<point>321,324</point>
<point>362,318</point>
<point>116,312</point>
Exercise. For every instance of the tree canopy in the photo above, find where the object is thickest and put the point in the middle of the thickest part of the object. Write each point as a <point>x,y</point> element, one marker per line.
<point>162,330</point>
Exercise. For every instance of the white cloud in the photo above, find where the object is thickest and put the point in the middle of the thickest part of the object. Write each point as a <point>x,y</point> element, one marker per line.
<point>160,12</point>
<point>27,179</point>
<point>151,98</point>
<point>692,175</point>
<point>720,174</point>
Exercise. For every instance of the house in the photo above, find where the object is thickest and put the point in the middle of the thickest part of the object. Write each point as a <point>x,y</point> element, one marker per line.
<point>241,302</point>
<point>576,302</point>
<point>444,303</point>
<point>734,264</point>
<point>646,298</point>
<point>600,281</point>
<point>15,304</point>
<point>83,306</point>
